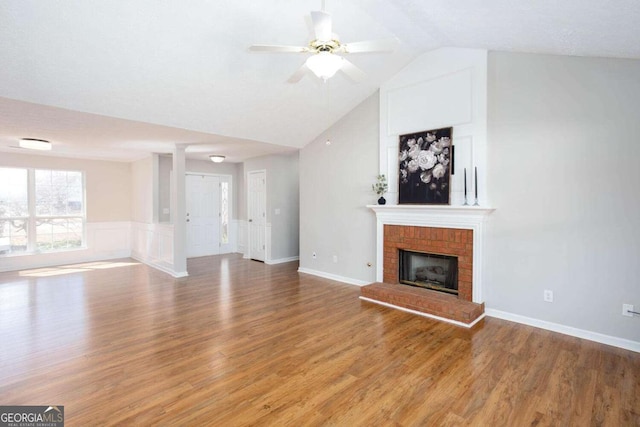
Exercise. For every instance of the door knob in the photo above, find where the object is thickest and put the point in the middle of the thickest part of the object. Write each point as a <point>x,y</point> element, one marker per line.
<point>250,220</point>
<point>188,220</point>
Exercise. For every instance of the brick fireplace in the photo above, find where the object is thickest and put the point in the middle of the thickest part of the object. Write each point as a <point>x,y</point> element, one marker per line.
<point>444,230</point>
<point>435,240</point>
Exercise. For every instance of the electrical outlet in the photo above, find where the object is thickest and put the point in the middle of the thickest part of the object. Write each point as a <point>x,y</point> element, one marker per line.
<point>314,256</point>
<point>627,309</point>
<point>548,295</point>
<point>335,258</point>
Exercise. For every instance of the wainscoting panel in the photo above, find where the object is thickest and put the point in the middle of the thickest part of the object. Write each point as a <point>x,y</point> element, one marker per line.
<point>404,116</point>
<point>153,245</point>
<point>104,241</point>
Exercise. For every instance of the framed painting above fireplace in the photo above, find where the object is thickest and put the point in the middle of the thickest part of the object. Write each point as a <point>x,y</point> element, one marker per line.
<point>425,167</point>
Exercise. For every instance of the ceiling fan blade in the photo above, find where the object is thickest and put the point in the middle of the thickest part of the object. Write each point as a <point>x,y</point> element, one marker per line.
<point>299,74</point>
<point>353,72</point>
<point>386,45</point>
<point>322,25</point>
<point>276,48</point>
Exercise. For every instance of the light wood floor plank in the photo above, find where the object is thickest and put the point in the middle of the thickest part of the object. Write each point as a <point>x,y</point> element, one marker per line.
<point>242,343</point>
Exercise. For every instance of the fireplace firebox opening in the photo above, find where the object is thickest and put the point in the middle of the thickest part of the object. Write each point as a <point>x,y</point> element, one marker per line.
<point>430,271</point>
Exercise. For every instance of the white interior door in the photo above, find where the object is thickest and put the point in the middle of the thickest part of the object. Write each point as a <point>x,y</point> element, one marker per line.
<point>257,212</point>
<point>203,215</point>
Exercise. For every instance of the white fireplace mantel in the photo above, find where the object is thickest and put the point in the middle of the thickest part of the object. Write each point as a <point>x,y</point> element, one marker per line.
<point>462,217</point>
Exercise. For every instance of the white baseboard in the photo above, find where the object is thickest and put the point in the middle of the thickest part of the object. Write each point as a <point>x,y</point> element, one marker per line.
<point>567,330</point>
<point>333,277</point>
<point>159,265</point>
<point>282,260</point>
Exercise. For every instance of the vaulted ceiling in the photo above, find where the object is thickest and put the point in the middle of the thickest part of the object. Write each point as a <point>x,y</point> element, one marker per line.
<point>119,79</point>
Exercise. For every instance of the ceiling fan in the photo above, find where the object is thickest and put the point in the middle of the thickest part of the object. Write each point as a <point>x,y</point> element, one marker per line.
<point>325,60</point>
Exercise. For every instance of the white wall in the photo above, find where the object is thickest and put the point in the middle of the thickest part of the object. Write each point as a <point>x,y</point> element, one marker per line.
<point>283,196</point>
<point>441,88</point>
<point>142,187</point>
<point>335,187</point>
<point>284,200</point>
<point>563,175</point>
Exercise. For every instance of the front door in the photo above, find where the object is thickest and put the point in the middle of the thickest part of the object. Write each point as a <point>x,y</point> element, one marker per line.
<point>203,215</point>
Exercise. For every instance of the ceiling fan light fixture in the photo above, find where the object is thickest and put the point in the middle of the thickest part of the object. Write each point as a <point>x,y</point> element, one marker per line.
<point>35,144</point>
<point>324,64</point>
<point>215,158</point>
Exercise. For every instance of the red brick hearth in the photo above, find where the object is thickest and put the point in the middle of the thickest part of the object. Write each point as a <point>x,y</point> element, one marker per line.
<point>424,301</point>
<point>443,241</point>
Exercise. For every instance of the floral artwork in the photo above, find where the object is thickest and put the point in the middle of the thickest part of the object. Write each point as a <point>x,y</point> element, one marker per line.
<point>424,167</point>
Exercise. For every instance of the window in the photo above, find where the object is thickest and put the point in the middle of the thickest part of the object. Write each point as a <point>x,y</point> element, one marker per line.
<point>224,213</point>
<point>41,210</point>
<point>14,210</point>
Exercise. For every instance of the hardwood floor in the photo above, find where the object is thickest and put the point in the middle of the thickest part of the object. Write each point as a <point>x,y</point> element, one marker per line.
<point>243,343</point>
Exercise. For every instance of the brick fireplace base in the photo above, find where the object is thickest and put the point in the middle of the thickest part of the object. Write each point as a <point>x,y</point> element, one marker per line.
<point>438,240</point>
<point>432,303</point>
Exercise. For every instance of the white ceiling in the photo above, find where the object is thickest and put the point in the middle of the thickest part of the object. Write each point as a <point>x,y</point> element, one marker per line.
<point>119,79</point>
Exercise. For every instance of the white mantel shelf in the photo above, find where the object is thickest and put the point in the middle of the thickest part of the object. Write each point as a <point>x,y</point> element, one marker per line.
<point>431,215</point>
<point>432,208</point>
<point>444,216</point>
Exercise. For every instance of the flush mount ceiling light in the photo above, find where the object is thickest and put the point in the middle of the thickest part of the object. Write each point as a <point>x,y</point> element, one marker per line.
<point>34,144</point>
<point>216,158</point>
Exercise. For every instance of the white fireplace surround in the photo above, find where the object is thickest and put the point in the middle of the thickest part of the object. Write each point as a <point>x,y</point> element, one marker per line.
<point>461,217</point>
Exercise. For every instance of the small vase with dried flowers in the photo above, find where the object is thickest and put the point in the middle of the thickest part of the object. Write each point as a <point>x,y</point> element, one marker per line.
<point>380,187</point>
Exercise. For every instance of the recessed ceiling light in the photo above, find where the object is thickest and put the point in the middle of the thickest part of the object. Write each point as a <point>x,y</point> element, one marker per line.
<point>216,158</point>
<point>34,144</point>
